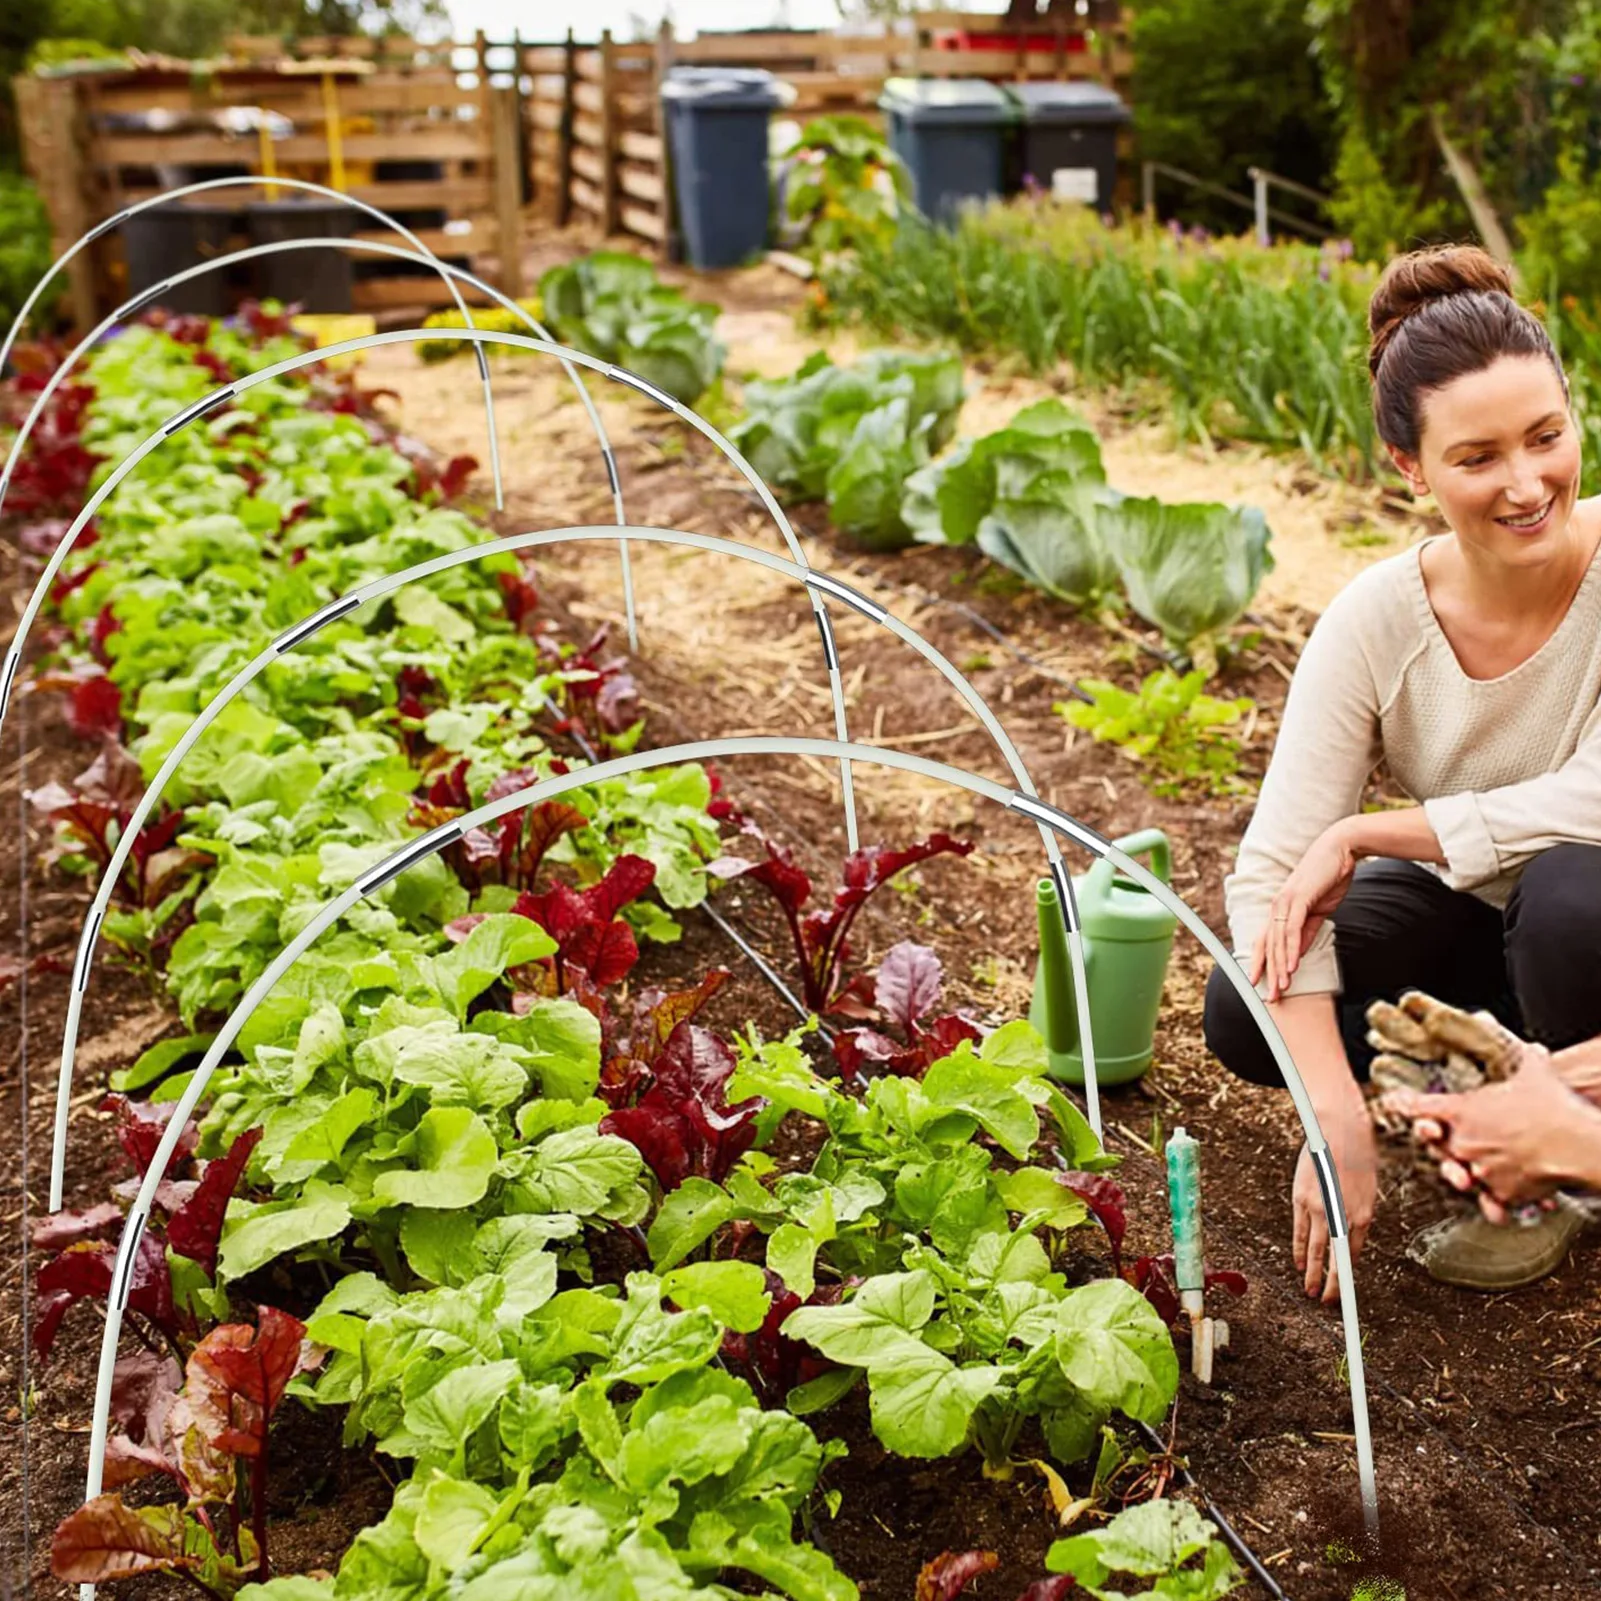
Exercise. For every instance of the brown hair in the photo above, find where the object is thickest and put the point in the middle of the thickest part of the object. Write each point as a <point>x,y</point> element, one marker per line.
<point>1438,315</point>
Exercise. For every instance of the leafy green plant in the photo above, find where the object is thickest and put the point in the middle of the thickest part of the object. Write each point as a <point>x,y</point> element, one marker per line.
<point>1189,569</point>
<point>1027,495</point>
<point>1169,726</point>
<point>962,1327</point>
<point>1167,1541</point>
<point>853,435</point>
<point>844,183</point>
<point>611,305</point>
<point>572,1443</point>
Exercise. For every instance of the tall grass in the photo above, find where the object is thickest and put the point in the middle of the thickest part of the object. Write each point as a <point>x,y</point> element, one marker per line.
<point>1229,339</point>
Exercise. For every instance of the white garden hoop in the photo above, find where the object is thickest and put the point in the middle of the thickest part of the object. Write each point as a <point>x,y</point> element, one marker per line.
<point>253,180</point>
<point>375,247</point>
<point>389,584</point>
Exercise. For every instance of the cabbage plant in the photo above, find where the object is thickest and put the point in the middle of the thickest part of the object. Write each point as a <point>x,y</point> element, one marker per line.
<point>1029,496</point>
<point>853,435</point>
<point>1191,570</point>
<point>610,304</point>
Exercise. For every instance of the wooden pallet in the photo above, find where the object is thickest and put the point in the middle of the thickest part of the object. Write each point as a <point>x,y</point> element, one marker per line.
<point>386,102</point>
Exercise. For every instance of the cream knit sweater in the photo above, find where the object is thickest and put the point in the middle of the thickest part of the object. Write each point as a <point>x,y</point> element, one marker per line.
<point>1504,767</point>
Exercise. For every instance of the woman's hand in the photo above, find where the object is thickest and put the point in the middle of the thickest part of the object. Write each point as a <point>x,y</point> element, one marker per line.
<point>1309,895</point>
<point>1514,1141</point>
<point>1349,1131</point>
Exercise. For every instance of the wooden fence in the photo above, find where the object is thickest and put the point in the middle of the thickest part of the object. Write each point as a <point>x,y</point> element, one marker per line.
<point>592,120</point>
<point>391,122</point>
<point>464,141</point>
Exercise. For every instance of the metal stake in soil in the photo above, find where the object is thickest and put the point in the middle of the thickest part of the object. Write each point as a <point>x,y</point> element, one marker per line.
<point>373,247</point>
<point>419,849</point>
<point>253,181</point>
<point>348,604</point>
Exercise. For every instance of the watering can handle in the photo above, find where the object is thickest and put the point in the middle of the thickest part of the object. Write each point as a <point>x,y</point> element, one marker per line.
<point>1147,841</point>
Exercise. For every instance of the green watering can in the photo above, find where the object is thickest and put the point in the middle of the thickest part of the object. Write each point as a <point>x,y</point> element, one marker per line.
<point>1128,937</point>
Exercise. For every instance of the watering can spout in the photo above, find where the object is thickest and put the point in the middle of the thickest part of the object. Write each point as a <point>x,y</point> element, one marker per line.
<point>1053,1011</point>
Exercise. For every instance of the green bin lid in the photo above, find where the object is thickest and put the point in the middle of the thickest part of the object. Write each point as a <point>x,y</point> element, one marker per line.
<point>1069,104</point>
<point>947,100</point>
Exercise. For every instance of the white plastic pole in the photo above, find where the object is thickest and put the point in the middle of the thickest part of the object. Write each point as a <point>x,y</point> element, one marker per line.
<point>349,603</point>
<point>425,845</point>
<point>254,181</point>
<point>375,247</point>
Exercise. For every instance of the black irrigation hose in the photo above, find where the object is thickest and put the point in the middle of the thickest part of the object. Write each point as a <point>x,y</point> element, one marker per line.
<point>1235,1541</point>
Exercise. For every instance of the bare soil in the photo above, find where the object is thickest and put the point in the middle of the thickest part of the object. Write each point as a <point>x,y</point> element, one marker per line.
<point>1484,1409</point>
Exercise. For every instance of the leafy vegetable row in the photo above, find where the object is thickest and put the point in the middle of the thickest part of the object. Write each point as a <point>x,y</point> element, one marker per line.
<point>1032,496</point>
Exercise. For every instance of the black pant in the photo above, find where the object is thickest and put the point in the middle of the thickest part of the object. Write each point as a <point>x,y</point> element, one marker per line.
<point>1537,966</point>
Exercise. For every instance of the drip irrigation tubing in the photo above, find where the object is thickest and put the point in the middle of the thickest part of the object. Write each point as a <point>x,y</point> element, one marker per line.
<point>1234,1539</point>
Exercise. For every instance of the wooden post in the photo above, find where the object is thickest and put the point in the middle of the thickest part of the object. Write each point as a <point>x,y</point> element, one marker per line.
<point>1148,190</point>
<point>669,211</point>
<point>49,117</point>
<point>508,191</point>
<point>608,134</point>
<point>525,162</point>
<point>564,138</point>
<point>486,106</point>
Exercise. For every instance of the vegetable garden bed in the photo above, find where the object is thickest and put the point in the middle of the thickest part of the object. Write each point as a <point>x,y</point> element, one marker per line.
<point>1479,1412</point>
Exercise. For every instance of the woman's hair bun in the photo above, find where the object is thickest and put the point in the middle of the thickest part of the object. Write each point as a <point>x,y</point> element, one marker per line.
<point>1411,281</point>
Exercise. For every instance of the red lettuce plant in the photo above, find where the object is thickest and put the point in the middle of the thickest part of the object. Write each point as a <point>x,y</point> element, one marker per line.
<point>89,819</point>
<point>1156,1278</point>
<point>53,475</point>
<point>683,1125</point>
<point>772,1362</point>
<point>907,988</point>
<point>210,1438</point>
<point>822,943</point>
<point>598,699</point>
<point>193,1211</point>
<point>950,1573</point>
<point>1153,1276</point>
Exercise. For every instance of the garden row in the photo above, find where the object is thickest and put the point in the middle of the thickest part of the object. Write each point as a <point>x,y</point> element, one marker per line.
<point>575,1298</point>
<point>1227,338</point>
<point>863,438</point>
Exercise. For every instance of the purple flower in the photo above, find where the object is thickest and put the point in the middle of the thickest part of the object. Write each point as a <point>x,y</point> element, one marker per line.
<point>1577,79</point>
<point>1346,249</point>
<point>1031,184</point>
<point>1323,271</point>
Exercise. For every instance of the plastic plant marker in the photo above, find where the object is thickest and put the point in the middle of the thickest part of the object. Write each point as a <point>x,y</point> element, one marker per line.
<point>425,845</point>
<point>387,585</point>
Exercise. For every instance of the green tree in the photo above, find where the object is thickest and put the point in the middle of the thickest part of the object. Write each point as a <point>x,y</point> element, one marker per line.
<point>1222,88</point>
